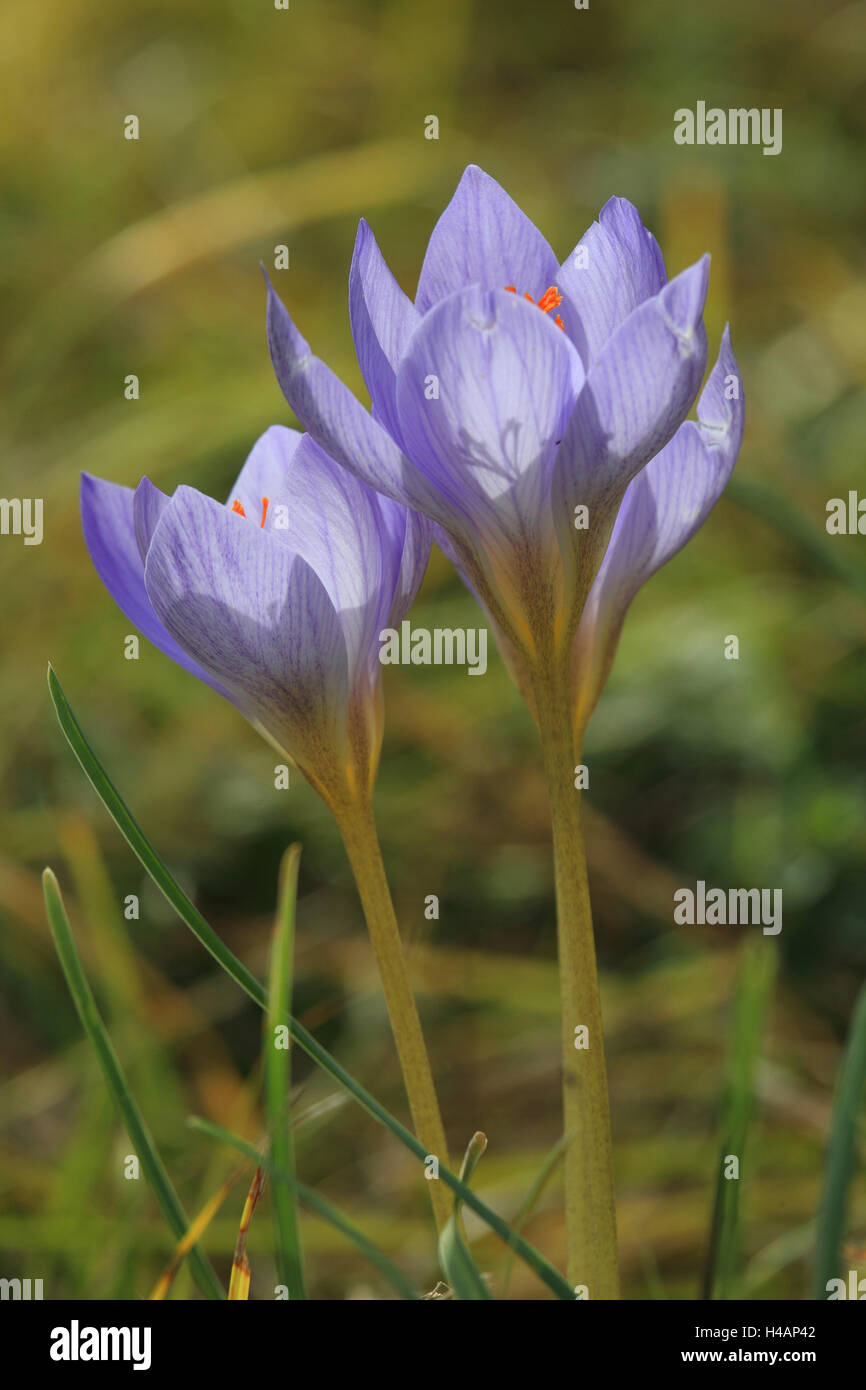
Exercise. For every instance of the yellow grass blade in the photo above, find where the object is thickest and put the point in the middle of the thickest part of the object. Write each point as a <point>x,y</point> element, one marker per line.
<point>185,1244</point>
<point>239,1286</point>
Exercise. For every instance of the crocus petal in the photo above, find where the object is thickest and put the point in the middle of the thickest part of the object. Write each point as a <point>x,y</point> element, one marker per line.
<point>383,319</point>
<point>662,509</point>
<point>147,507</point>
<point>411,536</point>
<point>483,238</point>
<point>671,498</point>
<point>109,533</point>
<point>337,526</point>
<point>266,473</point>
<point>506,379</point>
<point>256,617</point>
<point>329,411</point>
<point>638,391</point>
<point>615,266</point>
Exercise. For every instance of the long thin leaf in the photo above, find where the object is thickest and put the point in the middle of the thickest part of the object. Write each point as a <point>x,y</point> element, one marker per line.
<point>188,913</point>
<point>462,1273</point>
<point>143,849</point>
<point>94,1027</point>
<point>841,1153</point>
<point>754,990</point>
<point>315,1201</point>
<point>278,1080</point>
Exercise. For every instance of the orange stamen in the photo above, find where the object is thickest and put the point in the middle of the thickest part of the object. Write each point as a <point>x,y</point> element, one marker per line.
<point>238,506</point>
<point>551,299</point>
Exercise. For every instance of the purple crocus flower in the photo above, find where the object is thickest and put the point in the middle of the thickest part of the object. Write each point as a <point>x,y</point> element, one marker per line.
<point>515,401</point>
<point>275,599</point>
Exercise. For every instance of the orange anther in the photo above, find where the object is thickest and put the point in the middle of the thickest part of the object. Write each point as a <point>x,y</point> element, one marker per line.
<point>265,501</point>
<point>551,299</point>
<point>237,506</point>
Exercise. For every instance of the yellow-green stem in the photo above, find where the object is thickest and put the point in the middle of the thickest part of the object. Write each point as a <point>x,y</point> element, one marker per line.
<point>590,1214</point>
<point>358,829</point>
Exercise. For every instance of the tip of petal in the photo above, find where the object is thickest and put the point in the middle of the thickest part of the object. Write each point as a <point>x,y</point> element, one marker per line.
<point>289,348</point>
<point>363,236</point>
<point>618,211</point>
<point>366,259</point>
<point>474,176</point>
<point>682,299</point>
<point>93,488</point>
<point>721,414</point>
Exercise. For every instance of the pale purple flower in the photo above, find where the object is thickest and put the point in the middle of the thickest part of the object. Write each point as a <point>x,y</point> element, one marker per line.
<point>276,598</point>
<point>514,391</point>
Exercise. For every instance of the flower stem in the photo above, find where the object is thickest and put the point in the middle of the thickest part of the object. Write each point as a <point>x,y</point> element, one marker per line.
<point>590,1213</point>
<point>358,829</point>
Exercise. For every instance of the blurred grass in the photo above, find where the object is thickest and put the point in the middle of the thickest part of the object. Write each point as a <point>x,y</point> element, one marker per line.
<point>260,127</point>
<point>844,1144</point>
<point>276,1065</point>
<point>143,1151</point>
<point>722,1277</point>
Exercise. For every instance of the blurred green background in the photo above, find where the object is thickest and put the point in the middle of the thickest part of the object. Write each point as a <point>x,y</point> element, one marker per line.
<point>261,127</point>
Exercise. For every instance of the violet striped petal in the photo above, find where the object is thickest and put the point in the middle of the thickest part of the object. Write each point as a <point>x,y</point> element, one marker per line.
<point>506,379</point>
<point>147,507</point>
<point>662,509</point>
<point>383,319</point>
<point>638,391</point>
<point>337,525</point>
<point>484,238</point>
<point>329,411</point>
<point>109,533</point>
<point>411,536</point>
<point>616,266</point>
<point>256,617</point>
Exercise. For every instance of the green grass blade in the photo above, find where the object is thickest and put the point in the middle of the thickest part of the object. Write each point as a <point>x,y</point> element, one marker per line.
<point>316,1203</point>
<point>461,1272</point>
<point>841,1153</point>
<point>142,1142</point>
<point>188,913</point>
<point>751,1006</point>
<point>141,846</point>
<point>277,1079</point>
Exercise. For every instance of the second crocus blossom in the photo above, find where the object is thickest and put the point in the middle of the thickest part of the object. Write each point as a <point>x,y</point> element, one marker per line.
<point>513,392</point>
<point>275,598</point>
